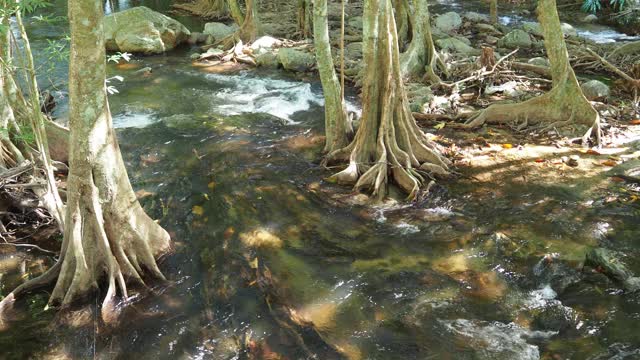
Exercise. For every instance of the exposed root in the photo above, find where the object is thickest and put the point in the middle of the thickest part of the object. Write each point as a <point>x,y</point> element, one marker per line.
<point>389,145</point>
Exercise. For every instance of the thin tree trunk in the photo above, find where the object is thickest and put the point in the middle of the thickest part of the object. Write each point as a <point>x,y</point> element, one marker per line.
<point>50,196</point>
<point>337,126</point>
<point>108,235</point>
<point>249,27</point>
<point>388,144</point>
<point>493,11</point>
<point>304,18</point>
<point>236,12</point>
<point>421,57</point>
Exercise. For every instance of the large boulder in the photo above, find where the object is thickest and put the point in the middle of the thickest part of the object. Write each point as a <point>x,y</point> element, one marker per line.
<point>612,264</point>
<point>516,39</point>
<point>448,22</point>
<point>142,30</point>
<point>595,90</point>
<point>218,30</point>
<point>296,60</point>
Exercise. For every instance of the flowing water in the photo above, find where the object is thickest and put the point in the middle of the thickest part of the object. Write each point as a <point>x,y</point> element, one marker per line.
<point>228,164</point>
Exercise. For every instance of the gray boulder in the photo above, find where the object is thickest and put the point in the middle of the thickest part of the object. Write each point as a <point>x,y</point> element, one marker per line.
<point>448,22</point>
<point>455,45</point>
<point>516,39</point>
<point>268,60</point>
<point>475,17</point>
<point>539,61</point>
<point>355,22</point>
<point>591,18</point>
<point>296,60</point>
<point>535,28</point>
<point>218,30</point>
<point>595,90</point>
<point>142,30</point>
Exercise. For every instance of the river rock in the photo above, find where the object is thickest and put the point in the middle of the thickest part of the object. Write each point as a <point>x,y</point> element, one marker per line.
<point>627,49</point>
<point>611,263</point>
<point>555,317</point>
<point>455,45</point>
<point>516,39</point>
<point>539,61</point>
<point>354,50</point>
<point>448,22</point>
<point>142,30</point>
<point>296,60</point>
<point>595,90</point>
<point>268,60</point>
<point>218,30</point>
<point>535,28</point>
<point>487,29</point>
<point>475,17</point>
<point>355,22</point>
<point>196,38</point>
<point>591,18</point>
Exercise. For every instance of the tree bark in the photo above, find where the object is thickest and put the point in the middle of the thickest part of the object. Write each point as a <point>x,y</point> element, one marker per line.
<point>249,25</point>
<point>565,104</point>
<point>210,9</point>
<point>493,11</point>
<point>337,126</point>
<point>304,18</point>
<point>421,57</point>
<point>388,144</point>
<point>107,236</point>
<point>236,12</point>
<point>403,21</point>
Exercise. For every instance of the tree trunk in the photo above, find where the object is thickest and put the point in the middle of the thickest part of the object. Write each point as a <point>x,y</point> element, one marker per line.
<point>565,104</point>
<point>337,126</point>
<point>210,9</point>
<point>304,18</point>
<point>403,21</point>
<point>249,26</point>
<point>421,57</point>
<point>236,12</point>
<point>493,11</point>
<point>388,142</point>
<point>107,234</point>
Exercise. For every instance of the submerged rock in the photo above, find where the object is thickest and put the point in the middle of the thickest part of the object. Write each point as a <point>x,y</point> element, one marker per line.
<point>448,22</point>
<point>142,30</point>
<point>595,90</point>
<point>261,238</point>
<point>611,264</point>
<point>296,60</point>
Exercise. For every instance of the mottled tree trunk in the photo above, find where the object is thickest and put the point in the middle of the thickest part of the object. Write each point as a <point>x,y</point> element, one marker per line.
<point>421,57</point>
<point>107,236</point>
<point>565,104</point>
<point>388,144</point>
<point>10,155</point>
<point>337,126</point>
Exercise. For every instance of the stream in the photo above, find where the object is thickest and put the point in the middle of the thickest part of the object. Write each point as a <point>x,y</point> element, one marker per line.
<point>473,272</point>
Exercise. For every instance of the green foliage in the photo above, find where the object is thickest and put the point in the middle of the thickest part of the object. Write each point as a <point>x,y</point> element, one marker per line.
<point>593,6</point>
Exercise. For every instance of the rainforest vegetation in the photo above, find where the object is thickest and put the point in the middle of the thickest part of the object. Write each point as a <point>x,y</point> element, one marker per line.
<point>319,179</point>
